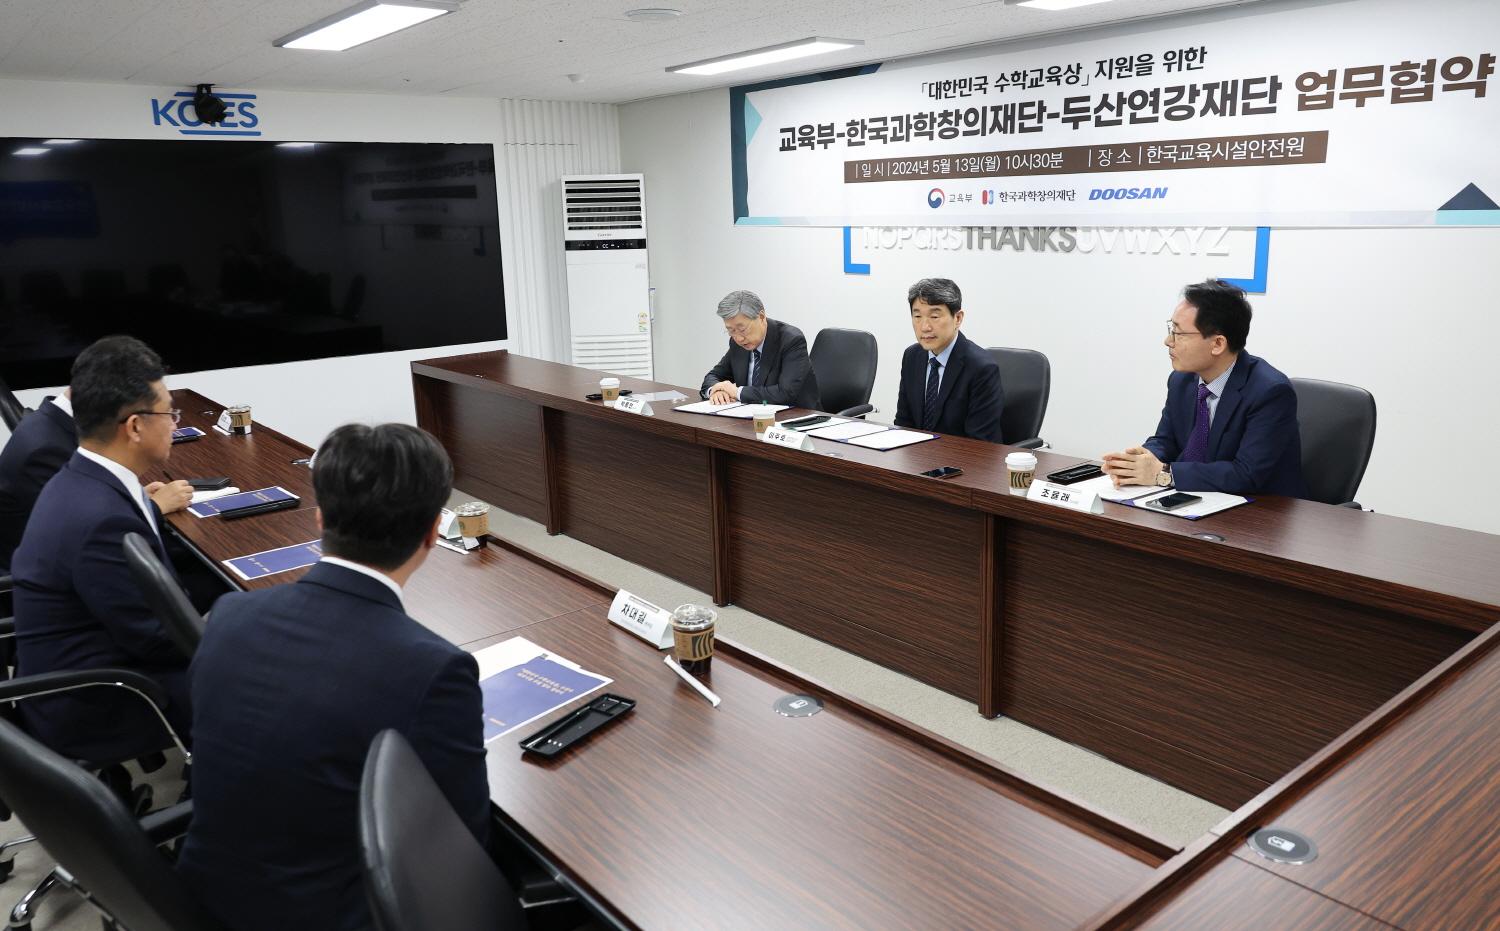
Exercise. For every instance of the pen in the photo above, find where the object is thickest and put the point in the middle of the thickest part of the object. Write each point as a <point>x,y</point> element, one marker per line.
<point>699,686</point>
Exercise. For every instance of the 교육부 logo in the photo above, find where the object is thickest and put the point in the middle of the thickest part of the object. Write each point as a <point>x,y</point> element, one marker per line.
<point>935,198</point>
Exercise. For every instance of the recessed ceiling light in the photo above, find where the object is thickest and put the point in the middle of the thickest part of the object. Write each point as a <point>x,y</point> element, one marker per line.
<point>802,48</point>
<point>61,141</point>
<point>652,15</point>
<point>31,151</point>
<point>1055,5</point>
<point>295,145</point>
<point>364,22</point>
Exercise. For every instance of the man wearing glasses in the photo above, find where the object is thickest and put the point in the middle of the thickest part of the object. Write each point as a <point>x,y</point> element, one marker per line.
<point>1230,421</point>
<point>77,605</point>
<point>767,361</point>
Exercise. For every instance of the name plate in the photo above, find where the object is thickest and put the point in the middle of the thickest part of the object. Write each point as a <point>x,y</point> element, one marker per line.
<point>642,618</point>
<point>791,439</point>
<point>633,405</point>
<point>1066,496</point>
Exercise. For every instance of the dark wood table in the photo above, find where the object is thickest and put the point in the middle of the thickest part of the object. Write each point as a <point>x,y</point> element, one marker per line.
<point>1213,664</point>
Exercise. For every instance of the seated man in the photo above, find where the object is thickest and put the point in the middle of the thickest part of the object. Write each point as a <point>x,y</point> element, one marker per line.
<point>948,384</point>
<point>1230,421</point>
<point>292,684</point>
<point>77,605</point>
<point>767,361</point>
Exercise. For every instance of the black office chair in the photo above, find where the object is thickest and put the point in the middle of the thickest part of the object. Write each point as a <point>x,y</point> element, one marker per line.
<point>102,851</point>
<point>1337,423</point>
<point>1026,379</point>
<point>844,362</point>
<point>11,408</point>
<point>170,604</point>
<point>423,868</point>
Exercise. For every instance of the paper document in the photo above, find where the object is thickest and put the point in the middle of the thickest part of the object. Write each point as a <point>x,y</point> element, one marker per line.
<point>891,439</point>
<point>201,496</point>
<point>218,505</point>
<point>705,407</point>
<point>272,562</point>
<point>659,395</point>
<point>847,430</point>
<point>521,682</point>
<point>746,411</point>
<point>1104,487</point>
<point>1213,502</point>
<point>796,425</point>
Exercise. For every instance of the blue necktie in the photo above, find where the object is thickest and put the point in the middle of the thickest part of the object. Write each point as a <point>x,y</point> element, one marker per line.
<point>755,367</point>
<point>1197,444</point>
<point>929,403</point>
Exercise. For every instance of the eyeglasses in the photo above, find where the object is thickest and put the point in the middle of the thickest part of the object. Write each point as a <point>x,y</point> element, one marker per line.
<point>1173,332</point>
<point>174,413</point>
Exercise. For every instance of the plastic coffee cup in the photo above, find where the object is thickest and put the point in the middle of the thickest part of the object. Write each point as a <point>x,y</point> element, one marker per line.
<point>610,389</point>
<point>1022,469</point>
<point>473,520</point>
<point>765,419</point>
<point>693,637</point>
<point>239,416</point>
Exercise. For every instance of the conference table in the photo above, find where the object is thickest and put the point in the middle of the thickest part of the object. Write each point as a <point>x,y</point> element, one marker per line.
<point>683,815</point>
<point>1215,655</point>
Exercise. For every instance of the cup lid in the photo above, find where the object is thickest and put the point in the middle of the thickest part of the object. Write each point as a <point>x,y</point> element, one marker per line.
<point>1020,461</point>
<point>472,509</point>
<point>693,617</point>
<point>609,382</point>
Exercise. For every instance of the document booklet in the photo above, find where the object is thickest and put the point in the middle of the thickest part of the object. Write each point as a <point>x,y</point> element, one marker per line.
<point>285,559</point>
<point>746,411</point>
<point>1213,502</point>
<point>1104,487</point>
<point>847,430</point>
<point>244,499</point>
<point>891,439</point>
<point>521,682</point>
<point>705,407</point>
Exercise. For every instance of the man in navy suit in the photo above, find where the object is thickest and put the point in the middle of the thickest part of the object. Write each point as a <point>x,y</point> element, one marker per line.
<point>948,384</point>
<point>767,360</point>
<point>1230,421</point>
<point>292,684</point>
<point>77,605</point>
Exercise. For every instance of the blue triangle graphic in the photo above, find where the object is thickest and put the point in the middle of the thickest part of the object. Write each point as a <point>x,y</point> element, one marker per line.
<point>1470,198</point>
<point>752,120</point>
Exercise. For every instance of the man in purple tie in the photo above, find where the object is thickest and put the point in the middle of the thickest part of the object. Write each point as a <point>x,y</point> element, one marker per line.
<point>1230,421</point>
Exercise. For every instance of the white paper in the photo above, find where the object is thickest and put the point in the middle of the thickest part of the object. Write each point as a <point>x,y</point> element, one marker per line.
<point>498,657</point>
<point>830,422</point>
<point>659,395</point>
<point>746,411</point>
<point>705,407</point>
<point>1213,502</point>
<point>890,439</point>
<point>1104,487</point>
<point>201,496</point>
<point>847,430</point>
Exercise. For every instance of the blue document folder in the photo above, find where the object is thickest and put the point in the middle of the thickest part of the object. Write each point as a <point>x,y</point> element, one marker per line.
<point>526,692</point>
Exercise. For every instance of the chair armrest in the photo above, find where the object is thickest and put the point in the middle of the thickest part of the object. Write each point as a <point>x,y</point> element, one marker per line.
<point>7,583</point>
<point>1352,504</point>
<point>1035,442</point>
<point>7,627</point>
<point>167,824</point>
<point>47,683</point>
<point>858,410</point>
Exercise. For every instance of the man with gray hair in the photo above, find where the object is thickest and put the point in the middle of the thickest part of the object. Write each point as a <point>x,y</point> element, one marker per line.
<point>767,361</point>
<point>948,384</point>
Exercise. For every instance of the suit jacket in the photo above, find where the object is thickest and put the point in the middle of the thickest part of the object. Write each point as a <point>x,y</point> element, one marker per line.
<point>291,685</point>
<point>1254,444</point>
<point>970,397</point>
<point>43,441</point>
<point>788,378</point>
<point>78,607</point>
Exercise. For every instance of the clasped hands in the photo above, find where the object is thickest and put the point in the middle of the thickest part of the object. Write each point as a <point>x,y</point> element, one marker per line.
<point>171,496</point>
<point>725,392</point>
<point>1135,466</point>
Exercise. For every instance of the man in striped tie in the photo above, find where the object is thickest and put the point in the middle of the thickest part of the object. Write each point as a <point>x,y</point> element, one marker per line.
<point>948,383</point>
<point>1230,421</point>
<point>767,361</point>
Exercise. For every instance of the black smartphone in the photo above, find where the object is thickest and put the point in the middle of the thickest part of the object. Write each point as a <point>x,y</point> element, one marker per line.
<point>209,484</point>
<point>1175,500</point>
<point>944,472</point>
<point>806,423</point>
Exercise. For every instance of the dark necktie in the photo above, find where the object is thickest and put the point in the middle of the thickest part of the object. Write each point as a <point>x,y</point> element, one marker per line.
<point>755,373</point>
<point>929,402</point>
<point>1197,444</point>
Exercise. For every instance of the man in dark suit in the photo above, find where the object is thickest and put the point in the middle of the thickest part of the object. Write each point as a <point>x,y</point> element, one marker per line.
<point>1230,421</point>
<point>767,361</point>
<point>77,605</point>
<point>291,685</point>
<point>948,384</point>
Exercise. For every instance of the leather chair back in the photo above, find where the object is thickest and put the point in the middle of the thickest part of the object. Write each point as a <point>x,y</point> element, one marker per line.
<point>844,361</point>
<point>168,601</point>
<point>1026,379</point>
<point>423,869</point>
<point>87,830</point>
<point>1337,422</point>
<point>11,409</point>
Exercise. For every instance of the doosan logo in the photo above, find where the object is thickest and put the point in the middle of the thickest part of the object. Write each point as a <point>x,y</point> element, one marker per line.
<point>935,198</point>
<point>240,118</point>
<point>1128,193</point>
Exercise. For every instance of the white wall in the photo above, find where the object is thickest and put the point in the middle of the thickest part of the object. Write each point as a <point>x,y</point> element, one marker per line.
<point>1404,313</point>
<point>308,399</point>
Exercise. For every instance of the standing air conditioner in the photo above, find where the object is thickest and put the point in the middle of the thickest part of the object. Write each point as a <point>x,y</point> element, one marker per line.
<point>609,288</point>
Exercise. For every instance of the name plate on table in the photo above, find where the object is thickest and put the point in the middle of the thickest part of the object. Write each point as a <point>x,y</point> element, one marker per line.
<point>642,618</point>
<point>634,406</point>
<point>791,439</point>
<point>1067,496</point>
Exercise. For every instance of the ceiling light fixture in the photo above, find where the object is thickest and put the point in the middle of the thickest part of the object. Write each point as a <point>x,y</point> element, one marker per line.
<point>295,145</point>
<point>31,151</point>
<point>816,45</point>
<point>1054,5</point>
<point>61,141</point>
<point>652,15</point>
<point>363,23</point>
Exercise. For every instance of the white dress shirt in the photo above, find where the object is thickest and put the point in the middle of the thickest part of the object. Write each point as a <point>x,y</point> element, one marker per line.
<point>129,481</point>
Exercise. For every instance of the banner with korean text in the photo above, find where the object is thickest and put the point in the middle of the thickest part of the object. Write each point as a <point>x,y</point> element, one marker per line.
<point>1376,113</point>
